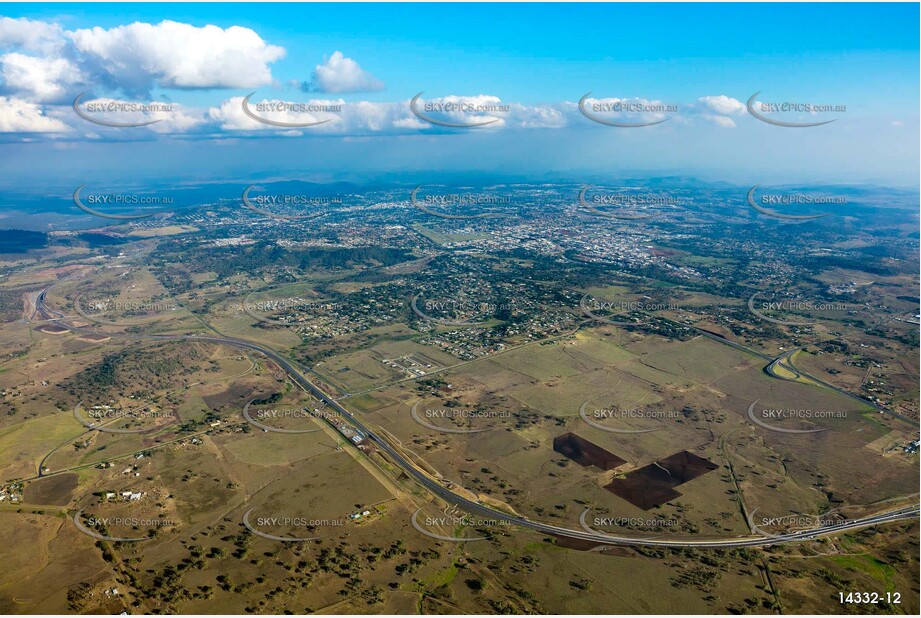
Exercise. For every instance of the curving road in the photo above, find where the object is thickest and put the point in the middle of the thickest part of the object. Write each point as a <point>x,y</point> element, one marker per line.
<point>785,361</point>
<point>471,506</point>
<point>436,488</point>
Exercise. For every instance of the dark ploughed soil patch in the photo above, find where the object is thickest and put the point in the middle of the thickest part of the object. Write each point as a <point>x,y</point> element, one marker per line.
<point>646,488</point>
<point>94,337</point>
<point>616,550</point>
<point>685,466</point>
<point>55,490</point>
<point>586,453</point>
<point>52,329</point>
<point>234,397</point>
<point>654,484</point>
<point>577,544</point>
<point>586,545</point>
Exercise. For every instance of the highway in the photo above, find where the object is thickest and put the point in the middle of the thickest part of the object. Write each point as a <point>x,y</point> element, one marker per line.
<point>450,497</point>
<point>785,361</point>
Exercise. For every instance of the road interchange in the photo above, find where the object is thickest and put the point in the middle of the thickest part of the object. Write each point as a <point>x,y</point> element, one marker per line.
<point>450,497</point>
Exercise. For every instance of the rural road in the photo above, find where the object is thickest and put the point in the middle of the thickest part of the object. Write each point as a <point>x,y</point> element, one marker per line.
<point>785,361</point>
<point>473,507</point>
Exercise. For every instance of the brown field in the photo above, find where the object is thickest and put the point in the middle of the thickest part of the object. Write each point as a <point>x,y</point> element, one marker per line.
<point>654,484</point>
<point>699,465</point>
<point>56,490</point>
<point>585,453</point>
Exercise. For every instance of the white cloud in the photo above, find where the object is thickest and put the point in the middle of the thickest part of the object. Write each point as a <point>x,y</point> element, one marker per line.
<point>466,110</point>
<point>341,75</point>
<point>362,117</point>
<point>231,116</point>
<point>410,123</point>
<point>38,79</point>
<point>18,116</point>
<point>30,35</point>
<point>41,63</point>
<point>170,117</point>
<point>721,104</point>
<point>720,121</point>
<point>536,117</point>
<point>365,117</point>
<point>631,109</point>
<point>177,55</point>
<point>717,110</point>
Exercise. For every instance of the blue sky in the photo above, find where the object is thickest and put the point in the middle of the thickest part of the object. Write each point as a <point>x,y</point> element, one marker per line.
<point>705,59</point>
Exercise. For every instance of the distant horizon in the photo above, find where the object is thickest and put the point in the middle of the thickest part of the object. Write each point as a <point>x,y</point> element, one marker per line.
<point>471,177</point>
<point>52,207</point>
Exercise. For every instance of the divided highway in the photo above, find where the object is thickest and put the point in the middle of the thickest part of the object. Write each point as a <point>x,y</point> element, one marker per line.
<point>473,507</point>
